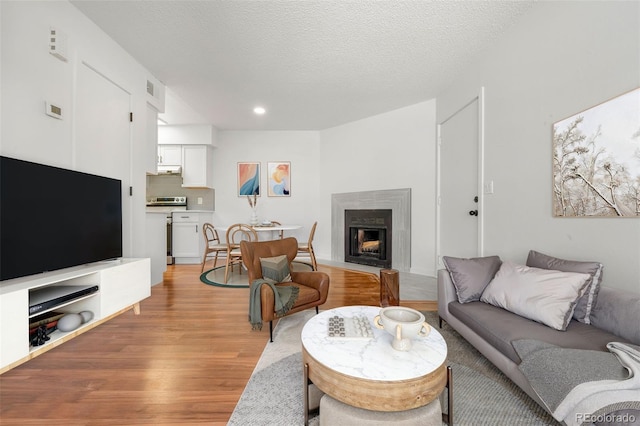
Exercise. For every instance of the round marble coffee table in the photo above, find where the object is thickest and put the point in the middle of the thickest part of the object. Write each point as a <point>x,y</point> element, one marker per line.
<point>369,373</point>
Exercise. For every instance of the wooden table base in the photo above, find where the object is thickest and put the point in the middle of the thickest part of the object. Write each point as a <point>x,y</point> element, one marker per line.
<point>377,395</point>
<point>446,417</point>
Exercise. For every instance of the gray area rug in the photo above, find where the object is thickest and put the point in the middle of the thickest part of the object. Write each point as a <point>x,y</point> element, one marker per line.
<point>482,394</point>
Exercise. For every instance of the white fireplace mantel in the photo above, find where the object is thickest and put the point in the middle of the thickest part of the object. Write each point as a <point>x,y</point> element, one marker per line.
<point>398,200</point>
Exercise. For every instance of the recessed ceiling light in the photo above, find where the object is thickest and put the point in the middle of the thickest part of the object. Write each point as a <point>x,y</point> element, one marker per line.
<point>259,110</point>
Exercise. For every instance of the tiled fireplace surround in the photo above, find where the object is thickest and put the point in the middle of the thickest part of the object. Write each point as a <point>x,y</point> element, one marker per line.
<point>398,200</point>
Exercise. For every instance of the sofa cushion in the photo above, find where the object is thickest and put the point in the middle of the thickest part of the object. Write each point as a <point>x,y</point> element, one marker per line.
<point>471,276</point>
<point>275,269</point>
<point>500,327</point>
<point>542,295</point>
<point>587,301</point>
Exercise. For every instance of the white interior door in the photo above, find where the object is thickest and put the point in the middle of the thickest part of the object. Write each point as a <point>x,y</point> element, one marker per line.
<point>103,136</point>
<point>459,203</point>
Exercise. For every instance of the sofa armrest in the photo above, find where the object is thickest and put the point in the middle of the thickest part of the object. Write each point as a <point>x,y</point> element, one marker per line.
<point>618,312</point>
<point>446,293</point>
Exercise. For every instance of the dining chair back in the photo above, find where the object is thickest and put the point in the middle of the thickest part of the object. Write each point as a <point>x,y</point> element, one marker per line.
<point>235,234</point>
<point>212,244</point>
<point>307,248</point>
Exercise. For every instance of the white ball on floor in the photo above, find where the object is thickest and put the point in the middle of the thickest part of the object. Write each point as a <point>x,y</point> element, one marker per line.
<point>69,322</point>
<point>86,316</point>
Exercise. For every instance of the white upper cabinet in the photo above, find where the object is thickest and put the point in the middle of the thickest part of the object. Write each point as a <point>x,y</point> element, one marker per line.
<point>190,146</point>
<point>169,155</point>
<point>188,134</point>
<point>197,163</point>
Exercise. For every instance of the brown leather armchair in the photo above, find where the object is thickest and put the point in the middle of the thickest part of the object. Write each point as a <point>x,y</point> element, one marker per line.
<point>313,285</point>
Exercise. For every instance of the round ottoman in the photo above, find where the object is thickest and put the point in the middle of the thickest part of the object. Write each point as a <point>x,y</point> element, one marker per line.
<point>334,412</point>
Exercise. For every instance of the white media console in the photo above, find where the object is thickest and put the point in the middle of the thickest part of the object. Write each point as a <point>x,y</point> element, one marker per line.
<point>122,284</point>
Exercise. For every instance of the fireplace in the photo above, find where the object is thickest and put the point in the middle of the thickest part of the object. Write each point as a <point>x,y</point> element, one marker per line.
<point>367,237</point>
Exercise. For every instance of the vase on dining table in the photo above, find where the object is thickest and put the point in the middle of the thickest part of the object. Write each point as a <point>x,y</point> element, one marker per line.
<point>254,216</point>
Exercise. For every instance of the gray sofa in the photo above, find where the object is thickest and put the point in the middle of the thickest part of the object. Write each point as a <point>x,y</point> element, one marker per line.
<point>615,317</point>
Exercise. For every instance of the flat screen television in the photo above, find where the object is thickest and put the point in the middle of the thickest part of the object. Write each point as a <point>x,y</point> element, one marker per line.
<point>53,218</point>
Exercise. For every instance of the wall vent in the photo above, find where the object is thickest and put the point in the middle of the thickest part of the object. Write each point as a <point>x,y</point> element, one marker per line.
<point>150,88</point>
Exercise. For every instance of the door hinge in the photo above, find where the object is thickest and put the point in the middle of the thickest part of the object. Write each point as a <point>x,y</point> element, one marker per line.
<point>131,117</point>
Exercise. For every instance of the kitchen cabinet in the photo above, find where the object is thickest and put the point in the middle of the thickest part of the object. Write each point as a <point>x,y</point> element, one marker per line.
<point>197,166</point>
<point>186,238</point>
<point>189,134</point>
<point>169,155</point>
<point>188,241</point>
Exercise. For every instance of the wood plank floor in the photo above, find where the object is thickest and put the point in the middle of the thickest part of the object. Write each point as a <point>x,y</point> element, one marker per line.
<point>185,360</point>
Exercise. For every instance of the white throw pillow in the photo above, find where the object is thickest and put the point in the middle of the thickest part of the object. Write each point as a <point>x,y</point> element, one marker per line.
<point>541,295</point>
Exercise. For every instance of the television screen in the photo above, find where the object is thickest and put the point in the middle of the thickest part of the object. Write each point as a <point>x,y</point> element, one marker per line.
<point>53,218</point>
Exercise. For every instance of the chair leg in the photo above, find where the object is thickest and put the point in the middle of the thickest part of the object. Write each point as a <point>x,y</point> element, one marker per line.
<point>317,310</point>
<point>204,260</point>
<point>271,331</point>
<point>314,264</point>
<point>226,270</point>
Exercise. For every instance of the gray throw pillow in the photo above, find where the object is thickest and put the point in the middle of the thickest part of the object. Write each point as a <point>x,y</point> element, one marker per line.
<point>543,295</point>
<point>275,269</point>
<point>588,300</point>
<point>471,276</point>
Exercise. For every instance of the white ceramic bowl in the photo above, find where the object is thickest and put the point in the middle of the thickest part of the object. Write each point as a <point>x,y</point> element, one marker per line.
<point>403,324</point>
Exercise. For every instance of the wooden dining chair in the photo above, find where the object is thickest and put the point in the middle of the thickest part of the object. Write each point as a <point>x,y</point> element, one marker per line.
<point>212,244</point>
<point>235,234</point>
<point>307,248</point>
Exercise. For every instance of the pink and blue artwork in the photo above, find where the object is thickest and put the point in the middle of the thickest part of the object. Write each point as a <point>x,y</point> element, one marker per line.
<point>279,179</point>
<point>248,179</point>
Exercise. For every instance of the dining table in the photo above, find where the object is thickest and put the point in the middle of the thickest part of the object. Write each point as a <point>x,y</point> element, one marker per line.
<point>265,231</point>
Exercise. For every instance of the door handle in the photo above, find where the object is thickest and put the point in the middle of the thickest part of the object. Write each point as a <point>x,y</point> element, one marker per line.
<point>473,213</point>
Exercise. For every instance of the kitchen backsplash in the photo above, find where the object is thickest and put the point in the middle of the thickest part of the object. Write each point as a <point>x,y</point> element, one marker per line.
<point>165,185</point>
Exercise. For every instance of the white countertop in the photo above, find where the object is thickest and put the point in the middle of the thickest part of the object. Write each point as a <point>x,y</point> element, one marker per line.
<point>372,359</point>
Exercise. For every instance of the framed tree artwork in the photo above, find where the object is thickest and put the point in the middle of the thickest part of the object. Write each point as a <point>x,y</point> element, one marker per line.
<point>279,179</point>
<point>596,160</point>
<point>248,179</point>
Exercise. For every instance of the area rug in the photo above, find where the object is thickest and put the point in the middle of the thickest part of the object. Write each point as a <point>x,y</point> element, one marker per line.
<point>239,279</point>
<point>482,394</point>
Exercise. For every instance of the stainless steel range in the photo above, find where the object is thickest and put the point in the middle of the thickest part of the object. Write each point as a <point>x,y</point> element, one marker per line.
<point>167,205</point>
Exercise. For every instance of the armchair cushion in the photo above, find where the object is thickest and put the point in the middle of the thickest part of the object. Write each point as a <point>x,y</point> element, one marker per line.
<point>275,269</point>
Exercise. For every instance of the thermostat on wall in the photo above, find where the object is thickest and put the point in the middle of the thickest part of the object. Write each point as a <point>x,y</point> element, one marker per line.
<point>52,110</point>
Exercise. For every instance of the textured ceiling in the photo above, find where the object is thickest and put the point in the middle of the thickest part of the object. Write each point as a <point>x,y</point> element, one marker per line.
<point>311,64</point>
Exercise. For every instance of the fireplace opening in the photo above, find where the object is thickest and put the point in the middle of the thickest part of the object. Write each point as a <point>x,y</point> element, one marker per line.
<point>366,235</point>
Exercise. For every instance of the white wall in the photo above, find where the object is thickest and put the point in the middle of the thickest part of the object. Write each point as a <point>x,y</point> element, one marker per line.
<point>560,59</point>
<point>388,151</point>
<point>31,76</point>
<point>301,148</point>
